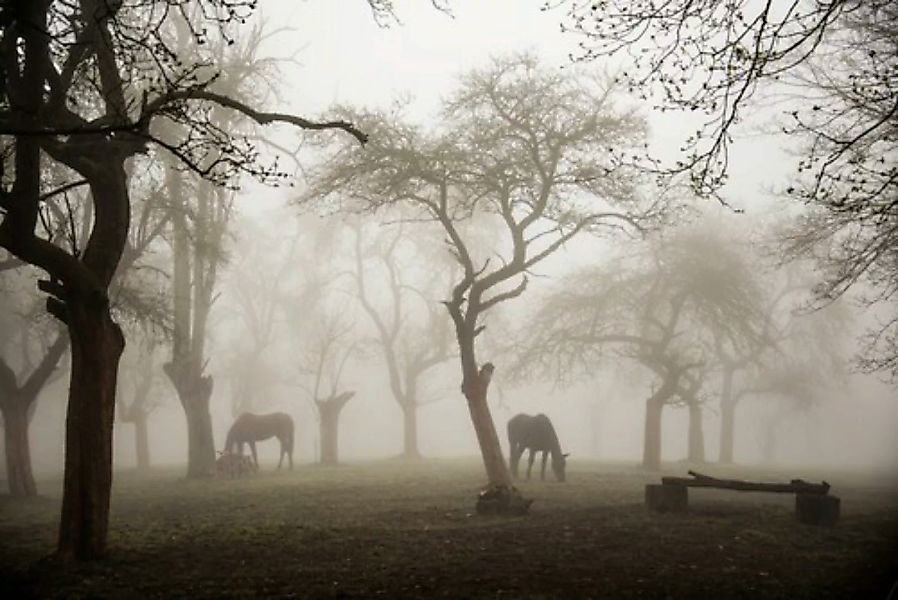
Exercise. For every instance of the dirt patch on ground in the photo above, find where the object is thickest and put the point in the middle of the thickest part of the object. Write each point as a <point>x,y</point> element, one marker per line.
<point>408,530</point>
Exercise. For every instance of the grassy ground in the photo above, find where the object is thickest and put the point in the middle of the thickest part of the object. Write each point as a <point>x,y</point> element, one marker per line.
<point>395,529</point>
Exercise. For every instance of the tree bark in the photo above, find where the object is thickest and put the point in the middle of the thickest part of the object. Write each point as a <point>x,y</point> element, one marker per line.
<point>18,452</point>
<point>200,440</point>
<point>493,460</point>
<point>96,343</point>
<point>727,419</point>
<point>651,452</point>
<point>410,430</point>
<point>696,434</point>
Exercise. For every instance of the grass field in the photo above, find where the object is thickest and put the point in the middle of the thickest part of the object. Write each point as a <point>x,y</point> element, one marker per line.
<point>395,529</point>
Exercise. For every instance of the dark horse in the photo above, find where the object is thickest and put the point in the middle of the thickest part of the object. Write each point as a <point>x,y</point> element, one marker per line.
<point>250,428</point>
<point>537,435</point>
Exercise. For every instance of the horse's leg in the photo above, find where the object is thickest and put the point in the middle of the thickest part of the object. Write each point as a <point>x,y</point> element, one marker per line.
<point>542,473</point>
<point>530,462</point>
<point>281,458</point>
<point>252,446</point>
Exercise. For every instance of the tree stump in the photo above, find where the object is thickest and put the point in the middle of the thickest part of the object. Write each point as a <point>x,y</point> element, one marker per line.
<point>817,509</point>
<point>664,498</point>
<point>502,500</point>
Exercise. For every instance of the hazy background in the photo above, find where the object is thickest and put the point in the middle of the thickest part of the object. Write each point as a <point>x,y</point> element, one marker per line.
<point>343,56</point>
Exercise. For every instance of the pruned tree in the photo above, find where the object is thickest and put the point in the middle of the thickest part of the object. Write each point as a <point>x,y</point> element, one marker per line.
<point>410,342</point>
<point>831,68</point>
<point>537,151</point>
<point>86,83</point>
<point>329,350</point>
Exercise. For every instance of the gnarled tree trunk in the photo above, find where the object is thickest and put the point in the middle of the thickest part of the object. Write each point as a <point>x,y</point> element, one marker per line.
<point>195,392</point>
<point>493,461</point>
<point>97,345</point>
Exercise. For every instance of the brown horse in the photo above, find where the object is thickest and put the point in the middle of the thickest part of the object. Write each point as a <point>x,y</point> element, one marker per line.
<point>250,428</point>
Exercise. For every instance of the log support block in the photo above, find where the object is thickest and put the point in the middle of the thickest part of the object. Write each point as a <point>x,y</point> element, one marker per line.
<point>665,498</point>
<point>817,509</point>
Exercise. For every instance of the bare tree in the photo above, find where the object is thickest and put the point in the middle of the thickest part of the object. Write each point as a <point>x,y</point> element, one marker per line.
<point>411,343</point>
<point>329,351</point>
<point>658,307</point>
<point>537,151</point>
<point>831,66</point>
<point>18,396</point>
<point>85,83</point>
<point>197,254</point>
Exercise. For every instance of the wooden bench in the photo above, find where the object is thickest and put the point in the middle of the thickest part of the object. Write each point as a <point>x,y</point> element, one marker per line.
<point>813,503</point>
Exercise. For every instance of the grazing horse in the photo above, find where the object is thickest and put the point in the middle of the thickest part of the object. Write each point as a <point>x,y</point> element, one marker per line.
<point>250,428</point>
<point>537,435</point>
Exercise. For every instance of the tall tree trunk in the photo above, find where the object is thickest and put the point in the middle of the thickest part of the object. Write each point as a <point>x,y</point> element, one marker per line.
<point>329,437</point>
<point>141,440</point>
<point>18,452</point>
<point>201,444</point>
<point>493,460</point>
<point>96,346</point>
<point>651,452</point>
<point>410,429</point>
<point>727,419</point>
<point>696,434</point>
<point>195,391</point>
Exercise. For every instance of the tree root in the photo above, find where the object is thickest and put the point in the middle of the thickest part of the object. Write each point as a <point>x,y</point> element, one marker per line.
<point>502,500</point>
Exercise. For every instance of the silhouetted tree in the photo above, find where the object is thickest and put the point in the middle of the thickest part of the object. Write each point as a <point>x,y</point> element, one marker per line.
<point>85,84</point>
<point>536,150</point>
<point>18,395</point>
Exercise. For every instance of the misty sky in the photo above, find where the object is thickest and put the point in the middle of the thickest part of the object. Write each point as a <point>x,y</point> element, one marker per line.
<point>344,57</point>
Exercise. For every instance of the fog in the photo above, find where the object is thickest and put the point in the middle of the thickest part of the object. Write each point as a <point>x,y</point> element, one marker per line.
<point>338,55</point>
<point>401,224</point>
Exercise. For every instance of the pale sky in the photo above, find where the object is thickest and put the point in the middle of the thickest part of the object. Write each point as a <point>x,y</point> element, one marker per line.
<point>346,58</point>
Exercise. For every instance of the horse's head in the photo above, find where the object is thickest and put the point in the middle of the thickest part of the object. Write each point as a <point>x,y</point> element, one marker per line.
<point>559,462</point>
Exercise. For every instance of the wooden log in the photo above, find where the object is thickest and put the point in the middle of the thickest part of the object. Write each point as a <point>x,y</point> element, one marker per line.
<point>796,486</point>
<point>817,509</point>
<point>664,498</point>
